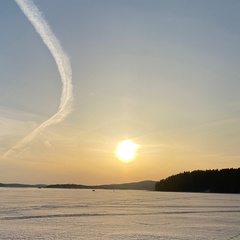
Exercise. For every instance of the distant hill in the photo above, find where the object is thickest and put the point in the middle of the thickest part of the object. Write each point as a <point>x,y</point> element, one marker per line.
<point>143,185</point>
<point>18,185</point>
<point>71,186</point>
<point>215,181</point>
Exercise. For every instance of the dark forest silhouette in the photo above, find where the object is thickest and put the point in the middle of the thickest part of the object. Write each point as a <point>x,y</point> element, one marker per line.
<point>214,181</point>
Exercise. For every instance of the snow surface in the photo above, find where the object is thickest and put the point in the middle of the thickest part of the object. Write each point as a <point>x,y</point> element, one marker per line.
<point>106,214</point>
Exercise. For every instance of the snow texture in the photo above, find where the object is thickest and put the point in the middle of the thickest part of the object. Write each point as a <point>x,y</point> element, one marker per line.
<point>106,214</point>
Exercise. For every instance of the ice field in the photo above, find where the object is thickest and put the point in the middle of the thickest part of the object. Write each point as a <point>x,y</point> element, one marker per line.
<point>107,214</point>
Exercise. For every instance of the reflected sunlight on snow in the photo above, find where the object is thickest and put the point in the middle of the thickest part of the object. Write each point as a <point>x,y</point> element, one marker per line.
<point>106,214</point>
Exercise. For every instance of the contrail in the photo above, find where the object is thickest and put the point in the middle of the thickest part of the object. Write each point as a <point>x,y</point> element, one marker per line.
<point>43,29</point>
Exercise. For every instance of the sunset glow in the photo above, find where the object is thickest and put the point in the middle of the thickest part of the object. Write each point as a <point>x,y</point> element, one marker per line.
<point>126,150</point>
<point>98,92</point>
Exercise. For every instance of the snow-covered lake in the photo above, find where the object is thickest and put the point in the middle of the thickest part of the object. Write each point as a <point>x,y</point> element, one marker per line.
<point>106,214</point>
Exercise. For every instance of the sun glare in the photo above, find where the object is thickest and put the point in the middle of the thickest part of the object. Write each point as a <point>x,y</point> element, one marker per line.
<point>126,150</point>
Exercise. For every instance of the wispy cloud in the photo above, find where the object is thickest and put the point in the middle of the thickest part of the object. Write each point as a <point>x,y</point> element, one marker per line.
<point>43,29</point>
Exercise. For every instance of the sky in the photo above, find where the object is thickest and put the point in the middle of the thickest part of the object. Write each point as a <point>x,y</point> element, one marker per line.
<point>164,74</point>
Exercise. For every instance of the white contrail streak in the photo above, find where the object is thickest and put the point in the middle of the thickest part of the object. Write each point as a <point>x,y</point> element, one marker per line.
<point>43,29</point>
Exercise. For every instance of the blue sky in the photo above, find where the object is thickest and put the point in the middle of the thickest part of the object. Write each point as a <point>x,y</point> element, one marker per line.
<point>162,73</point>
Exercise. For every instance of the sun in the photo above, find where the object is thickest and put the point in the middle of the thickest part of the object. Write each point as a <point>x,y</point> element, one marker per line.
<point>126,150</point>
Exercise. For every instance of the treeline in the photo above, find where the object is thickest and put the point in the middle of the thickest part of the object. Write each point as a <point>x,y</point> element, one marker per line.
<point>19,185</point>
<point>143,185</point>
<point>215,181</point>
<point>71,186</point>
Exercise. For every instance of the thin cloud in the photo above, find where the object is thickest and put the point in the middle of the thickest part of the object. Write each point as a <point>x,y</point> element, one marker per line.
<point>50,40</point>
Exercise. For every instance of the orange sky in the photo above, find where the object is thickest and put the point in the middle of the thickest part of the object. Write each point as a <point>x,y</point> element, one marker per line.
<point>162,74</point>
